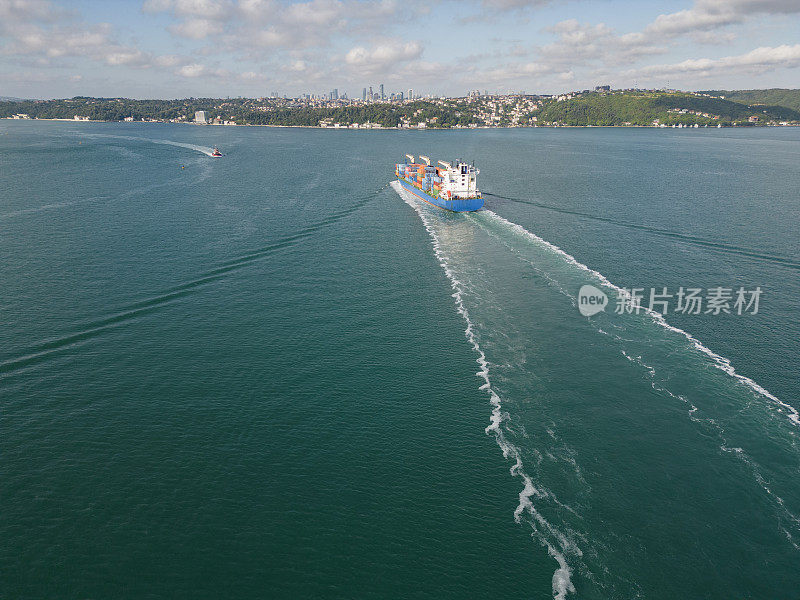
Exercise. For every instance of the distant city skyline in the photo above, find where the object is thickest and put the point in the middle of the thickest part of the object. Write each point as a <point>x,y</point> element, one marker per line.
<point>183,48</point>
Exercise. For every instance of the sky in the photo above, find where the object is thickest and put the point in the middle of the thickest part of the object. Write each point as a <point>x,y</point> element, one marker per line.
<point>219,48</point>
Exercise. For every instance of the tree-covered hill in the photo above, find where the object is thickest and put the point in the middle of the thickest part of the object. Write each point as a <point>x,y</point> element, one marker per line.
<point>622,107</point>
<point>107,109</point>
<point>770,97</point>
<point>644,108</point>
<point>384,114</point>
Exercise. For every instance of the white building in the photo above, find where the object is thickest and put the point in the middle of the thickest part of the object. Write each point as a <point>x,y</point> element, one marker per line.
<point>200,116</point>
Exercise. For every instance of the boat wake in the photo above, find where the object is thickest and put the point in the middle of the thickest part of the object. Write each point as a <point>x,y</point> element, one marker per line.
<point>789,521</point>
<point>137,191</point>
<point>690,239</point>
<point>553,527</point>
<point>558,545</point>
<point>51,206</point>
<point>202,149</point>
<point>720,362</point>
<point>46,349</point>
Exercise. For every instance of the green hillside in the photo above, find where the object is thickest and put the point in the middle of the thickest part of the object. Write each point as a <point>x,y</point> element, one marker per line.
<point>616,108</point>
<point>643,108</point>
<point>771,97</point>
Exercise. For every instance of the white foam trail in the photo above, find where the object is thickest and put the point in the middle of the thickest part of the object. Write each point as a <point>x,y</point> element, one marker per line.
<point>562,583</point>
<point>204,174</point>
<point>736,451</point>
<point>742,455</point>
<point>52,206</point>
<point>719,361</point>
<point>202,149</point>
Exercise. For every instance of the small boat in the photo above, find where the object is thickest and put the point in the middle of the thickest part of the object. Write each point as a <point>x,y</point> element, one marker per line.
<point>216,152</point>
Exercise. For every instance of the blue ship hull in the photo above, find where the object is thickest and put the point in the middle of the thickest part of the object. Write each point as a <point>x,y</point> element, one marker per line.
<point>454,205</point>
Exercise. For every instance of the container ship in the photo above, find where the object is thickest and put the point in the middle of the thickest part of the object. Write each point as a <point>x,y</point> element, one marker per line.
<point>446,186</point>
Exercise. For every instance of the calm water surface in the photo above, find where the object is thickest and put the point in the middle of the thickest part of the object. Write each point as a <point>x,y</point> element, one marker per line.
<point>249,377</point>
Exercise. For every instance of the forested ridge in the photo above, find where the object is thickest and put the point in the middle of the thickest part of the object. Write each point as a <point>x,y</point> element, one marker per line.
<point>598,108</point>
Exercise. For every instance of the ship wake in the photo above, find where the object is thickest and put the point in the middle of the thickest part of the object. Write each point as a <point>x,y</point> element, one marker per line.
<point>647,341</point>
<point>714,245</point>
<point>722,363</point>
<point>558,544</point>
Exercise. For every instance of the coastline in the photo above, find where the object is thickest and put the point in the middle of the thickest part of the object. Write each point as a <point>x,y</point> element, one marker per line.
<point>752,126</point>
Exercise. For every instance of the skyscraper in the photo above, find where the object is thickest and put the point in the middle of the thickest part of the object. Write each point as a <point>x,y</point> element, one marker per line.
<point>383,96</point>
<point>401,96</point>
<point>335,93</point>
<point>410,94</point>
<point>370,94</point>
<point>364,94</point>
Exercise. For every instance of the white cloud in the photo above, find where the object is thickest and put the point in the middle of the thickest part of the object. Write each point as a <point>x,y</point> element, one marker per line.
<point>62,40</point>
<point>196,70</point>
<point>47,36</point>
<point>17,11</point>
<point>193,70</point>
<point>383,54</point>
<point>583,44</point>
<point>256,9</point>
<point>248,24</point>
<point>316,12</point>
<point>313,45</point>
<point>197,29</point>
<point>713,38</point>
<point>198,19</point>
<point>168,60</point>
<point>706,15</point>
<point>502,5</point>
<point>204,9</point>
<point>693,19</point>
<point>756,61</point>
<point>130,57</point>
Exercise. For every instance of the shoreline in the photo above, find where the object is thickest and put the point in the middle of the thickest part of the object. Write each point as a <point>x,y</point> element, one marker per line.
<point>753,126</point>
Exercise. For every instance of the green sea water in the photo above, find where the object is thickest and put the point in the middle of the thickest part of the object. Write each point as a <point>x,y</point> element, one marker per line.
<point>272,375</point>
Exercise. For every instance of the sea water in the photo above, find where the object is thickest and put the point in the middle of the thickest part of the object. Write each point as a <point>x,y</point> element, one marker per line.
<point>272,374</point>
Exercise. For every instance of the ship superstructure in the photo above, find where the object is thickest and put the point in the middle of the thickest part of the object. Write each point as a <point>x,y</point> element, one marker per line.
<point>452,186</point>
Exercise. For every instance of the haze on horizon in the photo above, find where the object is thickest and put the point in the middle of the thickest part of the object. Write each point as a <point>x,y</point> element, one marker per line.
<point>182,48</point>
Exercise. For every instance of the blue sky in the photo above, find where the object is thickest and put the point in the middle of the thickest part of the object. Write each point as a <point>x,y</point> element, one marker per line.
<point>181,48</point>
